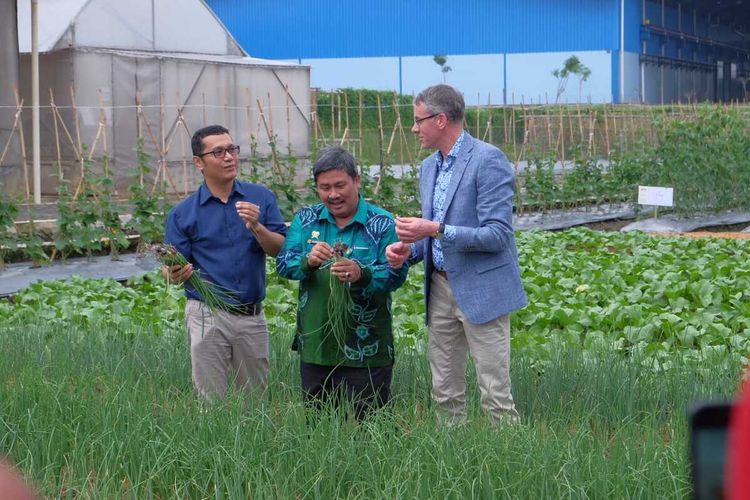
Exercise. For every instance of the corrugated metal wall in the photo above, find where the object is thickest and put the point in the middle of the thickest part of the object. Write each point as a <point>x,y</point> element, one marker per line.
<point>300,29</point>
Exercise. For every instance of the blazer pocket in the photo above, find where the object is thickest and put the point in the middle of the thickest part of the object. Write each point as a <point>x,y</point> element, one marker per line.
<point>488,266</point>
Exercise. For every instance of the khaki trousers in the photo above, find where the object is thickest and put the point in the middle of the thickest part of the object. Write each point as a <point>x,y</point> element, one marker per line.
<point>223,344</point>
<point>452,336</point>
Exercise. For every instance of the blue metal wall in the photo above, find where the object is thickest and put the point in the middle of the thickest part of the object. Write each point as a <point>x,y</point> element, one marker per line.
<point>304,29</point>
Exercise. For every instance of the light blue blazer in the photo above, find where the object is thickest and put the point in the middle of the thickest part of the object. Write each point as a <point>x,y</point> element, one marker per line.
<point>482,261</point>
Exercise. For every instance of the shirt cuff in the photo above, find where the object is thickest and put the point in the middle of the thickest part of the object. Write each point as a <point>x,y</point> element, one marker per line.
<point>450,233</point>
<point>366,276</point>
<point>303,265</point>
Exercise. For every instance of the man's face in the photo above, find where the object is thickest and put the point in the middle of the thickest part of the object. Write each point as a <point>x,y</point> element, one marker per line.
<point>426,126</point>
<point>217,170</point>
<point>339,193</point>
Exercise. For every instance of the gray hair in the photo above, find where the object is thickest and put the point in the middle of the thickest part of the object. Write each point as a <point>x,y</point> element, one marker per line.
<point>443,99</point>
<point>335,158</point>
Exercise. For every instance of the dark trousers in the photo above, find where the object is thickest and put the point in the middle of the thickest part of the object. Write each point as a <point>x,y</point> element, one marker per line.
<point>366,388</point>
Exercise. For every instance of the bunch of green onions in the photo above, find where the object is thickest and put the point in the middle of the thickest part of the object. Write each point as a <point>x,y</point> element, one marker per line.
<point>340,301</point>
<point>214,296</point>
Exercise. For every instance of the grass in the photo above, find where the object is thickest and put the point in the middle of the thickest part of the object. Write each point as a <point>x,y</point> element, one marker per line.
<point>111,414</point>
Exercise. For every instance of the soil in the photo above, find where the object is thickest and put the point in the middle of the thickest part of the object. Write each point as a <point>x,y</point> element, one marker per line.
<point>733,231</point>
<point>709,234</point>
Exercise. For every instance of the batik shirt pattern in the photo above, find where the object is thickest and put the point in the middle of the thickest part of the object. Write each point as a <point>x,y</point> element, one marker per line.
<point>368,340</point>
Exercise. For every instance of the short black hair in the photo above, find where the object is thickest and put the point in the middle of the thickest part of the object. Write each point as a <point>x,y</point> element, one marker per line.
<point>197,140</point>
<point>335,158</point>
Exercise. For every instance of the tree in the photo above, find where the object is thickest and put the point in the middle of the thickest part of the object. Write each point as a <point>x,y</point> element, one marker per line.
<point>440,61</point>
<point>571,66</point>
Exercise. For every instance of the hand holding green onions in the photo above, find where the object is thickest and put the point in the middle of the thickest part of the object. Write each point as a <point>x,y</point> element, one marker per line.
<point>179,270</point>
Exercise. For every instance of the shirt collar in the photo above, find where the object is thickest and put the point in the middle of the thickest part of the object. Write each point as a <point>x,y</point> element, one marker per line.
<point>453,153</point>
<point>204,194</point>
<point>359,216</point>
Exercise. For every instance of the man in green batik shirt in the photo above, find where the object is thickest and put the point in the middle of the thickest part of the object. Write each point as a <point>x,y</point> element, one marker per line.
<point>336,249</point>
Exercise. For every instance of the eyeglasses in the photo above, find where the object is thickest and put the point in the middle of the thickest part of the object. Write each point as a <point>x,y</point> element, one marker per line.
<point>418,121</point>
<point>219,153</point>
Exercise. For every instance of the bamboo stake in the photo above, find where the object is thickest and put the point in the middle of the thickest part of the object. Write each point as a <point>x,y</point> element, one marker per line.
<point>13,129</point>
<point>361,118</point>
<point>403,137</point>
<point>489,117</point>
<point>139,126</point>
<point>162,140</point>
<point>549,128</point>
<point>103,120</point>
<point>288,121</point>
<point>226,109</point>
<point>506,131</point>
<point>562,143</point>
<point>478,108</point>
<point>580,122</point>
<point>79,144</point>
<point>314,114</point>
<point>380,122</point>
<point>570,125</point>
<point>333,115</point>
<point>346,110</point>
<point>248,118</point>
<point>606,131</point>
<point>19,107</point>
<point>183,148</point>
<point>393,135</point>
<point>57,139</point>
<point>338,111</point>
<point>275,160</point>
<point>343,137</point>
<point>101,127</point>
<point>270,120</point>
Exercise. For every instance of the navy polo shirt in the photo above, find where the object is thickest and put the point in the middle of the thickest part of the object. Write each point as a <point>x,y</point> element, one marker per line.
<point>213,237</point>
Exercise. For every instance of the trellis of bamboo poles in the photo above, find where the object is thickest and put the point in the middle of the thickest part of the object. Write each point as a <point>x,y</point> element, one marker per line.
<point>404,140</point>
<point>162,171</point>
<point>268,127</point>
<point>168,138</point>
<point>18,129</point>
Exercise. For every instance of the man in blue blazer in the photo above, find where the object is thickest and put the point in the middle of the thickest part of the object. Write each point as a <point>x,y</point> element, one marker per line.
<point>472,279</point>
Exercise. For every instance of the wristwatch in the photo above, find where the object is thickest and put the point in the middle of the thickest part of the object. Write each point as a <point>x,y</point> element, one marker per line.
<point>440,232</point>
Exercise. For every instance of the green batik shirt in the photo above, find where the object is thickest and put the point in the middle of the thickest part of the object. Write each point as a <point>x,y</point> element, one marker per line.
<point>366,338</point>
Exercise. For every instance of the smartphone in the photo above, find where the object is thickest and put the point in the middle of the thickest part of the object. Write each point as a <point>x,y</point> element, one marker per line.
<point>708,423</point>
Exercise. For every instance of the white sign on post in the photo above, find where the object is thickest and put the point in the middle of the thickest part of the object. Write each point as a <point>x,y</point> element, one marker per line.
<point>658,196</point>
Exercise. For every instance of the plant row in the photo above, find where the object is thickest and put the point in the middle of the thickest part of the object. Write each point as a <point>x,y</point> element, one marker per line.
<point>628,292</point>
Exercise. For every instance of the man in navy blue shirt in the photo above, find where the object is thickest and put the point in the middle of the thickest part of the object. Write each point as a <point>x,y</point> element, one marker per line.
<point>225,229</point>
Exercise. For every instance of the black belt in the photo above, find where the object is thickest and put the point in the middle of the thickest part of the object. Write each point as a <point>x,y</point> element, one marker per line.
<point>442,273</point>
<point>247,309</point>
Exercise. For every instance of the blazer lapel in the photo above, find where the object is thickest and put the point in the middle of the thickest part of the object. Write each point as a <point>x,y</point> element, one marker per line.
<point>428,174</point>
<point>459,167</point>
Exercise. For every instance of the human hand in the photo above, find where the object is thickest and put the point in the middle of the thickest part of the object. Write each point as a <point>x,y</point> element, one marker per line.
<point>320,253</point>
<point>413,229</point>
<point>347,270</point>
<point>249,212</point>
<point>177,274</point>
<point>397,253</point>
<point>12,484</point>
